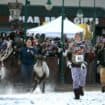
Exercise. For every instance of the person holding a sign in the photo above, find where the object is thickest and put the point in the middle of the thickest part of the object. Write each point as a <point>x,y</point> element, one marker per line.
<point>77,64</point>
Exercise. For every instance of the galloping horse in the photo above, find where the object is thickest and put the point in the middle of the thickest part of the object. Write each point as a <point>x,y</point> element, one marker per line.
<point>41,72</point>
<point>5,50</point>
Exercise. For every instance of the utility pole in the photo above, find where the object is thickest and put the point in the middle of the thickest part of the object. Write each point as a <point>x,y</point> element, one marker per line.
<point>27,2</point>
<point>62,45</point>
<point>93,24</point>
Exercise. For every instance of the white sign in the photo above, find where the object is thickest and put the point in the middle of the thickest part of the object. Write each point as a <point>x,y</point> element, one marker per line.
<point>33,19</point>
<point>37,19</point>
<point>79,58</point>
<point>85,20</point>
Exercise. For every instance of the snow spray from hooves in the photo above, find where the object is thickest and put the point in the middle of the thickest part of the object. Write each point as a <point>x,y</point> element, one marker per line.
<point>37,90</point>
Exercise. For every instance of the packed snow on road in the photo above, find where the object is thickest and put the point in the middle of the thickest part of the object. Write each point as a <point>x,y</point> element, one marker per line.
<point>51,98</point>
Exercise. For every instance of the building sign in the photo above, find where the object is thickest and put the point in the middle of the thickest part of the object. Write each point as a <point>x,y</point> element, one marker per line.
<point>85,20</point>
<point>39,20</point>
<point>35,19</point>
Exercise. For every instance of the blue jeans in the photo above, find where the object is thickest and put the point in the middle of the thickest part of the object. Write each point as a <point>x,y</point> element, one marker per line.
<point>26,73</point>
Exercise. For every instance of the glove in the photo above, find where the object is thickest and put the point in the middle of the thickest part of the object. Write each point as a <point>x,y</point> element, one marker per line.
<point>59,50</point>
<point>69,64</point>
<point>98,62</point>
<point>83,66</point>
<point>65,53</point>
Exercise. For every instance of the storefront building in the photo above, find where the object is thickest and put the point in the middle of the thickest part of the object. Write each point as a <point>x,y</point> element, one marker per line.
<point>38,15</point>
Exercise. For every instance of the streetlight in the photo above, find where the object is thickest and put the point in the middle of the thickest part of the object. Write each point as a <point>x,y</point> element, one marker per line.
<point>93,24</point>
<point>79,12</point>
<point>15,10</point>
<point>27,3</point>
<point>62,43</point>
<point>48,5</point>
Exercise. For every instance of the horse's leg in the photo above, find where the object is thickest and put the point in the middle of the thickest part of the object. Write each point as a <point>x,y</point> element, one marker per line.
<point>43,81</point>
<point>43,86</point>
<point>34,85</point>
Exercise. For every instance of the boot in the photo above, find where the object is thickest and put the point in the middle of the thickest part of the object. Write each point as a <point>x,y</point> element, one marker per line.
<point>81,91</point>
<point>103,89</point>
<point>77,94</point>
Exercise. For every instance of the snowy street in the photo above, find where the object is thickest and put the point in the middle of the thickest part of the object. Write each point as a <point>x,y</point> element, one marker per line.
<point>10,95</point>
<point>53,98</point>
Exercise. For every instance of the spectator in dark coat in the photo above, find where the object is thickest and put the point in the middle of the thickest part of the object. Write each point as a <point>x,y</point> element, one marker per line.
<point>27,60</point>
<point>101,60</point>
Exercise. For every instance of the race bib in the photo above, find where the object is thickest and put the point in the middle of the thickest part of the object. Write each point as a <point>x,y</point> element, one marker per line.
<point>78,58</point>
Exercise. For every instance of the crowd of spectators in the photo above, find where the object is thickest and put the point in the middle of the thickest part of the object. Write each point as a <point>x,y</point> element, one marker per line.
<point>52,46</point>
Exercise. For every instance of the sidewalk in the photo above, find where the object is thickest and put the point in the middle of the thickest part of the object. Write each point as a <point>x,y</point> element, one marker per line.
<point>68,87</point>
